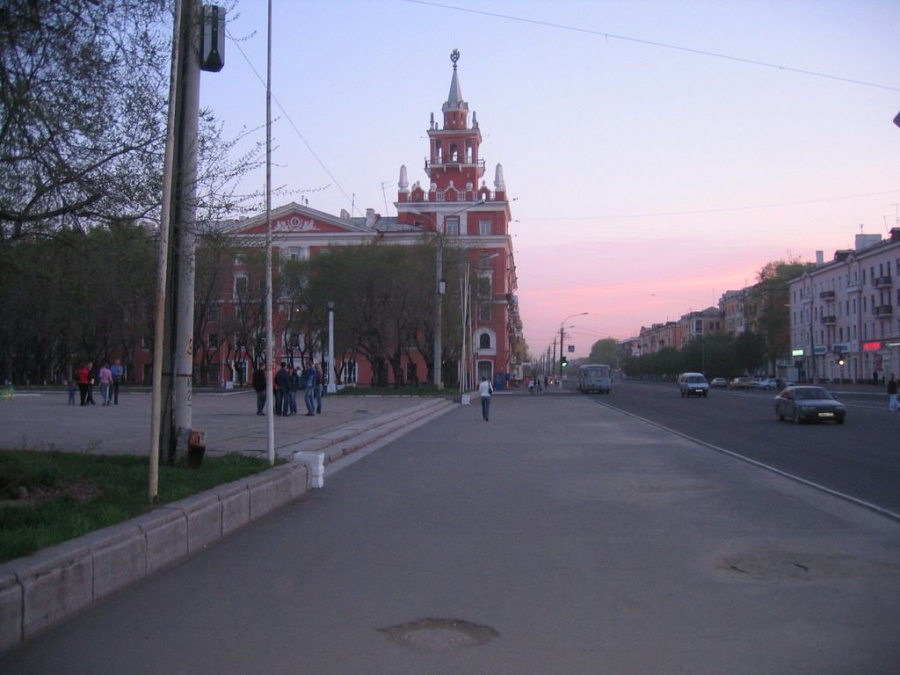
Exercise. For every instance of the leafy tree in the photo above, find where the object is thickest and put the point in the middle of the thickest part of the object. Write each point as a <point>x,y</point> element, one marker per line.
<point>605,351</point>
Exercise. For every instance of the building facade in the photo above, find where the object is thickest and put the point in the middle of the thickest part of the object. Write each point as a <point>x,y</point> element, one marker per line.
<point>843,323</point>
<point>455,206</point>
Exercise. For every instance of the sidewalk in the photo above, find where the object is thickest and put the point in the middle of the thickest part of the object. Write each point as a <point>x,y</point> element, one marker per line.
<point>57,583</point>
<point>42,421</point>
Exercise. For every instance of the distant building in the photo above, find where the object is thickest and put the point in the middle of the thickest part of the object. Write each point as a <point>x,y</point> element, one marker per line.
<point>843,310</point>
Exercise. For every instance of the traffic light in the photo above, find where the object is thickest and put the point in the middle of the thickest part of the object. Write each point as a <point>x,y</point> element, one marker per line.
<point>564,361</point>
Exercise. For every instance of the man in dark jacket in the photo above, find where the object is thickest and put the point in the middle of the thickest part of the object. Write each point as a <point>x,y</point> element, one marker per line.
<point>283,382</point>
<point>259,386</point>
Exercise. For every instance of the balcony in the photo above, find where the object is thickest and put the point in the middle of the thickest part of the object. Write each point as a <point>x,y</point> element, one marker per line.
<point>827,295</point>
<point>829,320</point>
<point>883,310</point>
<point>883,282</point>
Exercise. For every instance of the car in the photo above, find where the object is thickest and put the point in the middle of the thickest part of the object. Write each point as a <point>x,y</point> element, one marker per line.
<point>802,403</point>
<point>718,383</point>
<point>766,383</point>
<point>693,384</point>
<point>741,383</point>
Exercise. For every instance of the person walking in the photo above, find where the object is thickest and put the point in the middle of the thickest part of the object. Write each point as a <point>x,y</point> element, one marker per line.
<point>90,383</point>
<point>892,394</point>
<point>106,379</point>
<point>320,381</point>
<point>84,377</point>
<point>309,378</point>
<point>118,373</point>
<point>72,388</point>
<point>484,392</point>
<point>259,386</point>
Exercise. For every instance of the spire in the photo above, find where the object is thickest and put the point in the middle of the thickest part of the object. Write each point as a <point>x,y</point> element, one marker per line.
<point>454,98</point>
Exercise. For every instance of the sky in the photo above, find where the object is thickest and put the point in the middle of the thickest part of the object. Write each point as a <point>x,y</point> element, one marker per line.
<point>657,154</point>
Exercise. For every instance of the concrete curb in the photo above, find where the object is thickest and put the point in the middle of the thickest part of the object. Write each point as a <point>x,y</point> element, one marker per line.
<point>57,583</point>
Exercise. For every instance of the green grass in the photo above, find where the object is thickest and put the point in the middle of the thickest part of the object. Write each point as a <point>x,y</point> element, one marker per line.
<point>69,494</point>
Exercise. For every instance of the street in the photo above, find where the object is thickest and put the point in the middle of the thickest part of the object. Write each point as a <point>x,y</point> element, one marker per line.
<point>560,537</point>
<point>860,458</point>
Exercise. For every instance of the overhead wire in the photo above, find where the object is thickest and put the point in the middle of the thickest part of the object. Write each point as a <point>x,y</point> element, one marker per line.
<point>653,43</point>
<point>291,121</point>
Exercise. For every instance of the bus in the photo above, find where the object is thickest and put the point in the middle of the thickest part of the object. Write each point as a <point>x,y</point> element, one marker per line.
<point>594,377</point>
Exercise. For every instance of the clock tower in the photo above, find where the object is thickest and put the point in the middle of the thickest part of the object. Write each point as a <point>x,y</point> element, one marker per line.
<point>458,206</point>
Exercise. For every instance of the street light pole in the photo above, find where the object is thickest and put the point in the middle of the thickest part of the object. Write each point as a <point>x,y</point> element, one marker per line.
<point>332,388</point>
<point>562,336</point>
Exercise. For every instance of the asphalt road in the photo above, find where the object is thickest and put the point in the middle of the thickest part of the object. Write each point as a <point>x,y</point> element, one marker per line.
<point>860,458</point>
<point>560,537</point>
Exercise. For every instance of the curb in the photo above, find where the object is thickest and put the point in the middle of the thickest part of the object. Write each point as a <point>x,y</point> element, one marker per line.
<point>55,584</point>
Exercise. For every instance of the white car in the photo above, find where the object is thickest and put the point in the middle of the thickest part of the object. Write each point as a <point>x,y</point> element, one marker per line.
<point>766,383</point>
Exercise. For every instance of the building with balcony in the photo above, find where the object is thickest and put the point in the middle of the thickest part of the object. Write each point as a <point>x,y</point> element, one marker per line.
<point>843,323</point>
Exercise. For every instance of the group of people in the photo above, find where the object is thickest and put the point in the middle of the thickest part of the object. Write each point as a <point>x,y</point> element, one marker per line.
<point>286,382</point>
<point>109,378</point>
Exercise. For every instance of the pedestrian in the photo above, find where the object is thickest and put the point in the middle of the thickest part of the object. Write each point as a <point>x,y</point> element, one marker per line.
<point>484,391</point>
<point>72,388</point>
<point>309,378</point>
<point>92,380</point>
<point>875,377</point>
<point>259,386</point>
<point>118,373</point>
<point>295,387</point>
<point>84,377</point>
<point>105,378</point>
<point>283,382</point>
<point>276,392</point>
<point>892,394</point>
<point>320,381</point>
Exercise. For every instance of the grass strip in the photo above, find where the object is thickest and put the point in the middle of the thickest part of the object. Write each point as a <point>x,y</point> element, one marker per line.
<point>50,497</point>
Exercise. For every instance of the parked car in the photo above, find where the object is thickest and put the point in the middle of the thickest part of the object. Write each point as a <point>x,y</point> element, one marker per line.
<point>809,403</point>
<point>767,383</point>
<point>718,383</point>
<point>693,384</point>
<point>741,383</point>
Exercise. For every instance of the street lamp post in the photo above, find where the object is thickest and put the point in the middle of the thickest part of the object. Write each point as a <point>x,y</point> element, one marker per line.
<point>332,387</point>
<point>562,337</point>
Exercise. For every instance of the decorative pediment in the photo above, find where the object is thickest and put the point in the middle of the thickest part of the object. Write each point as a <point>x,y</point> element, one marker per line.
<point>293,219</point>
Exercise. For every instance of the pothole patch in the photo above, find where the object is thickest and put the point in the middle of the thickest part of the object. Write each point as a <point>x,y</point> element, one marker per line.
<point>439,634</point>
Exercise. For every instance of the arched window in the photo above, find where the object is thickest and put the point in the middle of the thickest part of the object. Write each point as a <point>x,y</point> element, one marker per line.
<point>484,342</point>
<point>454,153</point>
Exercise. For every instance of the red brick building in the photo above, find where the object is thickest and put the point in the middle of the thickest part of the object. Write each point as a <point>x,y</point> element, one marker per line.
<point>456,204</point>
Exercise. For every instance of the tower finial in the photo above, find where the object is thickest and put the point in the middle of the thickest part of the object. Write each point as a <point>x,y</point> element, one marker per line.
<point>454,56</point>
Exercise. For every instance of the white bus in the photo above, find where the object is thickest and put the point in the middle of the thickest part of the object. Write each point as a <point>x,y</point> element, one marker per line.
<point>594,377</point>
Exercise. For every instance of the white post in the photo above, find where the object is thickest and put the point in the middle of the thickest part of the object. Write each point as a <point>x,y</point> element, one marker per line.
<point>332,387</point>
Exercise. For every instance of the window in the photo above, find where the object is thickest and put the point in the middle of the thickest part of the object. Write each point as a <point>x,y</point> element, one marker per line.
<point>484,311</point>
<point>241,286</point>
<point>451,226</point>
<point>484,227</point>
<point>484,342</point>
<point>213,340</point>
<point>213,314</point>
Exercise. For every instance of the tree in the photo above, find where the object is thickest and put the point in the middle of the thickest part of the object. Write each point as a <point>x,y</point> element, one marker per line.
<point>605,351</point>
<point>82,90</point>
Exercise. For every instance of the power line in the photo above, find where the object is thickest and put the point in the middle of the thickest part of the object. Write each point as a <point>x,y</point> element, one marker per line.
<point>652,43</point>
<point>290,121</point>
